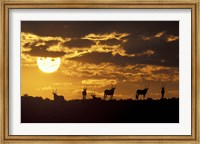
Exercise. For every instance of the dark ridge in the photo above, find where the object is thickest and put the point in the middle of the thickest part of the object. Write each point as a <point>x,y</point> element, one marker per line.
<point>38,110</point>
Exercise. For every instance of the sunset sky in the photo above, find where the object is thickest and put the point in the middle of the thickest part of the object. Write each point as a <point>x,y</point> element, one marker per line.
<point>127,54</point>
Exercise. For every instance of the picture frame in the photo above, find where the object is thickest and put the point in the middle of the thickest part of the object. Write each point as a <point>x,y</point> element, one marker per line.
<point>6,5</point>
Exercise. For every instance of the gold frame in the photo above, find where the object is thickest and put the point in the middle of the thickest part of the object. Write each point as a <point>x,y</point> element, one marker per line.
<point>163,4</point>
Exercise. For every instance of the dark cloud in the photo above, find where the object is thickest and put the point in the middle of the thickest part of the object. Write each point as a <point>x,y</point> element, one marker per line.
<point>42,52</point>
<point>82,28</point>
<point>51,42</point>
<point>27,45</point>
<point>37,43</point>
<point>164,50</point>
<point>111,42</point>
<point>78,43</point>
<point>98,58</point>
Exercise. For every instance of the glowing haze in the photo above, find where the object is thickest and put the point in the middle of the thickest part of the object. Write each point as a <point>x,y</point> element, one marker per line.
<point>99,54</point>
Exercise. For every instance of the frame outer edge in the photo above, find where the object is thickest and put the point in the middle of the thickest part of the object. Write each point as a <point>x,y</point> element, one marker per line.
<point>3,76</point>
<point>198,72</point>
<point>105,2</point>
<point>194,72</point>
<point>1,73</point>
<point>4,72</point>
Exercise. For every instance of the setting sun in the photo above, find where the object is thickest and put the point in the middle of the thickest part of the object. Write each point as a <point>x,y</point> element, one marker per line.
<point>48,65</point>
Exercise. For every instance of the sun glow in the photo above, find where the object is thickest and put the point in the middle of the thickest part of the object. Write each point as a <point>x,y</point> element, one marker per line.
<point>48,64</point>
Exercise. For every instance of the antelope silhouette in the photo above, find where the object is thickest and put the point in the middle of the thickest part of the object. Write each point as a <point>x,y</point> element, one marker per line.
<point>163,90</point>
<point>84,92</point>
<point>109,92</point>
<point>57,98</point>
<point>141,92</point>
<point>94,96</point>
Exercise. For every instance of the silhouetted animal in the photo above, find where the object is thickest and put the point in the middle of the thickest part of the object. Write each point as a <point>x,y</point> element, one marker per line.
<point>141,92</point>
<point>57,98</point>
<point>109,93</point>
<point>149,99</point>
<point>93,94</point>
<point>84,92</point>
<point>163,90</point>
<point>96,98</point>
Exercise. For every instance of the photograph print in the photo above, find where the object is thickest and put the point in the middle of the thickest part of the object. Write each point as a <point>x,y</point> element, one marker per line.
<point>99,72</point>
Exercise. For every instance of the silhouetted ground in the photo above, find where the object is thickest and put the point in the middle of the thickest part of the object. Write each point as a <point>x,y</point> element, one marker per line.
<point>37,110</point>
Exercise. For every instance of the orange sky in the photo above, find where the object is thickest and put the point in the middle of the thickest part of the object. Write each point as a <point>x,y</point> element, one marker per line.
<point>101,54</point>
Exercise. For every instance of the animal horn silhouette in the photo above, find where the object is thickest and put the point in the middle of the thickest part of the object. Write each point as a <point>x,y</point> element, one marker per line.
<point>163,85</point>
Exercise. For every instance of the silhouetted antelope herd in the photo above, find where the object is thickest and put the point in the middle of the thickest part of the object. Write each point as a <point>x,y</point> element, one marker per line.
<point>110,93</point>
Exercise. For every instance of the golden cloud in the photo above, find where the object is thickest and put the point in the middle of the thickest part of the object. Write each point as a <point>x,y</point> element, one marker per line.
<point>169,38</point>
<point>99,82</point>
<point>55,86</point>
<point>157,35</point>
<point>29,37</point>
<point>104,37</point>
<point>131,73</point>
<point>172,38</point>
<point>31,41</point>
<point>148,53</point>
<point>160,73</point>
<point>149,69</point>
<point>28,61</point>
<point>62,84</point>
